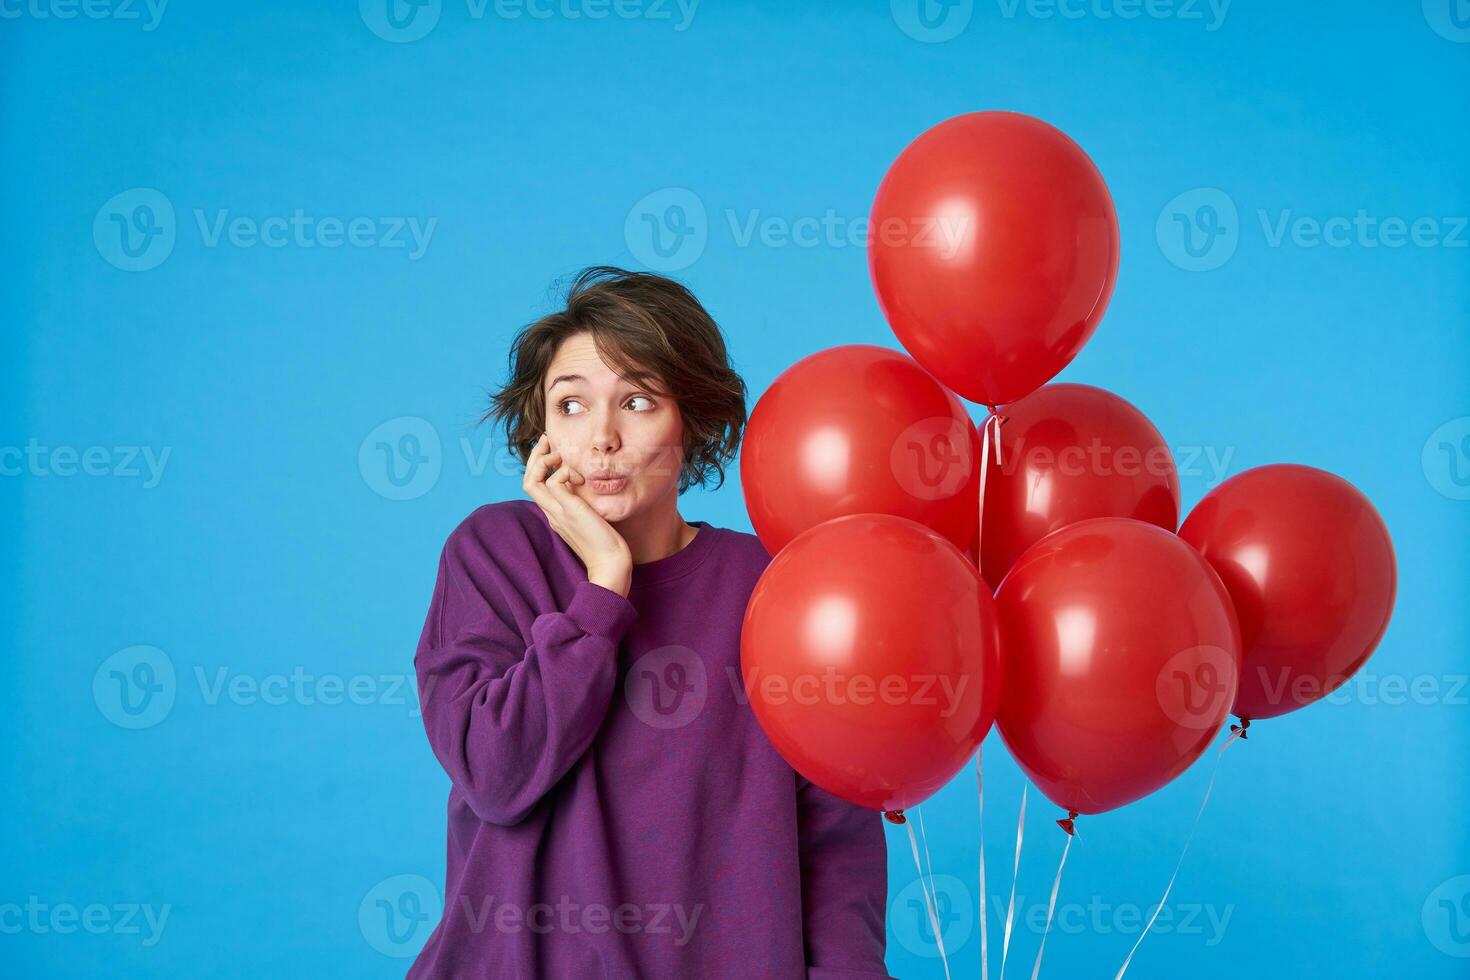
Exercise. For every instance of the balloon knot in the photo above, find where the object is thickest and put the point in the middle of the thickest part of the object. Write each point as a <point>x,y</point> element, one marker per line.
<point>1069,824</point>
<point>1245,724</point>
<point>894,816</point>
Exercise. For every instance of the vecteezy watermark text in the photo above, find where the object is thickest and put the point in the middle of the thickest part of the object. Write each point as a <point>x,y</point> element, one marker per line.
<point>406,21</point>
<point>1201,229</point>
<point>569,916</point>
<point>123,462</point>
<point>137,230</point>
<point>96,918</point>
<point>834,687</point>
<point>148,12</point>
<point>936,21</point>
<point>669,229</point>
<point>137,687</point>
<point>956,910</point>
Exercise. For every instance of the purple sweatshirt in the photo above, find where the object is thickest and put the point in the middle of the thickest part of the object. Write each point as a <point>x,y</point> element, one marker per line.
<point>615,811</point>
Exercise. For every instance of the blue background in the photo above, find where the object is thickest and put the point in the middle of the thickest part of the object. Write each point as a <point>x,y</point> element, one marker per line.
<point>273,543</point>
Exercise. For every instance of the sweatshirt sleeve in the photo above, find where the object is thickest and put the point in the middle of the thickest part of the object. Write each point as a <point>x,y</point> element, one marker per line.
<point>844,886</point>
<point>505,719</point>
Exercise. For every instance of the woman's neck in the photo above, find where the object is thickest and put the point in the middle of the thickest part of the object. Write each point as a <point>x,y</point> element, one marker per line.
<point>656,533</point>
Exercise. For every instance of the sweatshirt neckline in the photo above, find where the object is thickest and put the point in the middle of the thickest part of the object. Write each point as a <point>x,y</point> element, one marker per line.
<point>681,562</point>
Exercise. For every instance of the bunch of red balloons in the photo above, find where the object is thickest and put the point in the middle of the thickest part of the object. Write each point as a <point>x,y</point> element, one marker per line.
<point>925,585</point>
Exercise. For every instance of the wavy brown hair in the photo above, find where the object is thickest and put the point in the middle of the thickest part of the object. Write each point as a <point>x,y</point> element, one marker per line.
<point>654,333</point>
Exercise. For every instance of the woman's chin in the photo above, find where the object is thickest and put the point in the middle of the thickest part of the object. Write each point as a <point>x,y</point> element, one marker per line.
<point>610,507</point>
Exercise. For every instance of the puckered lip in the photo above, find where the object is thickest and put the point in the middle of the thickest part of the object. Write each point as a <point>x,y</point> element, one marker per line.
<point>606,475</point>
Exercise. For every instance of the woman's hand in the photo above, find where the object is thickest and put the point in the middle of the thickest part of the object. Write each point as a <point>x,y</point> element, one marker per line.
<point>602,549</point>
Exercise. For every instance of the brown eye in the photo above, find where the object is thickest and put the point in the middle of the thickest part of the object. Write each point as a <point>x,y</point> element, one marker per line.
<point>565,409</point>
<point>642,398</point>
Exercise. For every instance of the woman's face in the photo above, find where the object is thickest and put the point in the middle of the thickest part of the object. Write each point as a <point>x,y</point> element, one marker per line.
<point>603,424</point>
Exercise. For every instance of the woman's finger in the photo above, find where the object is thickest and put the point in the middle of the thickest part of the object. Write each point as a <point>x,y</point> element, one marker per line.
<point>561,490</point>
<point>541,494</point>
<point>536,482</point>
<point>540,479</point>
<point>539,463</point>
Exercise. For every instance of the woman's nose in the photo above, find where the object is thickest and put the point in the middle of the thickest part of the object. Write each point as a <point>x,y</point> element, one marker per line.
<point>604,434</point>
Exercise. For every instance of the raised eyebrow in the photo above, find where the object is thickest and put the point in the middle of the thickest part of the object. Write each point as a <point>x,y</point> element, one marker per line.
<point>564,377</point>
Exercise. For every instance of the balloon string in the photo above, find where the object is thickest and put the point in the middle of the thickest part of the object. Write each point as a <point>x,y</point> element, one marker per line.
<point>987,439</point>
<point>928,902</point>
<point>1005,942</point>
<point>1235,732</point>
<point>1051,907</point>
<point>984,898</point>
<point>928,862</point>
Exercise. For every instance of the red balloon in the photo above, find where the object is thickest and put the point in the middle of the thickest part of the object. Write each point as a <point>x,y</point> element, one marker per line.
<point>994,248</point>
<point>859,429</point>
<point>1121,660</point>
<point>1069,453</point>
<point>871,656</point>
<point>1310,567</point>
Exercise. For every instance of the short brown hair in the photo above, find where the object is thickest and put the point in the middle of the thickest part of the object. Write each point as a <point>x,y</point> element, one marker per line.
<point>653,332</point>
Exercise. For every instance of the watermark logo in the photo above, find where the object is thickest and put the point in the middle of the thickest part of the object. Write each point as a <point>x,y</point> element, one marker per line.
<point>954,907</point>
<point>1446,917</point>
<point>42,918</point>
<point>1098,457</point>
<point>135,687</point>
<point>667,230</point>
<point>1450,19</point>
<point>1446,459</point>
<point>1199,230</point>
<point>306,689</point>
<point>304,231</point>
<point>667,687</point>
<point>135,230</point>
<point>397,914</point>
<point>1210,13</point>
<point>139,686</point>
<point>1283,685</point>
<point>946,234</point>
<point>935,21</point>
<point>1100,917</point>
<point>932,21</point>
<point>35,458</point>
<point>404,21</point>
<point>673,919</point>
<point>400,21</point>
<point>933,459</point>
<point>839,688</point>
<point>149,12</point>
<point>1196,687</point>
<point>401,459</point>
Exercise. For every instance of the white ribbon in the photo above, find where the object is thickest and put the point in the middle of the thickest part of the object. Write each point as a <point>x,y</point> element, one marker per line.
<point>992,421</point>
<point>928,862</point>
<point>984,898</point>
<point>1234,734</point>
<point>1051,907</point>
<point>1005,942</point>
<point>928,902</point>
<point>986,441</point>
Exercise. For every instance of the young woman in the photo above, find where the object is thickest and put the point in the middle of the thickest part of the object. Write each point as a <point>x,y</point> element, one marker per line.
<point>615,811</point>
